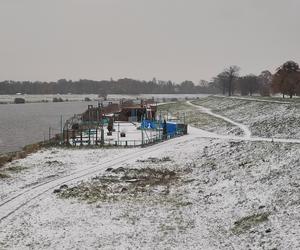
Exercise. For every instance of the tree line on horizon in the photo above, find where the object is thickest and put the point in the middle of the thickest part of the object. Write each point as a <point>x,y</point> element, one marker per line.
<point>102,88</point>
<point>286,80</point>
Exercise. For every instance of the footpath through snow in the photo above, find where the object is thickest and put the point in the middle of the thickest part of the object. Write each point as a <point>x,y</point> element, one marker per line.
<point>243,127</point>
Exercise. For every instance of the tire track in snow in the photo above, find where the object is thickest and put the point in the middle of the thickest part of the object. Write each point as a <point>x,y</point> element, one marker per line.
<point>244,128</point>
<point>15,203</point>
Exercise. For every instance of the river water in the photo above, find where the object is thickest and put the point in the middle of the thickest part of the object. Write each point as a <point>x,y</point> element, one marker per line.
<point>23,124</point>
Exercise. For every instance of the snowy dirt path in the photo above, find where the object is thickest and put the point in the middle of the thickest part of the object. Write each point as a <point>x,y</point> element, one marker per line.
<point>244,128</point>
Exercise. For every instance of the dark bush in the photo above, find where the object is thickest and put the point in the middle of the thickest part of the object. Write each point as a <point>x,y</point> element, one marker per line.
<point>19,100</point>
<point>57,99</point>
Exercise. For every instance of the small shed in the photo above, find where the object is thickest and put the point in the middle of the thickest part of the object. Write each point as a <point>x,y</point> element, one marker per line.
<point>132,113</point>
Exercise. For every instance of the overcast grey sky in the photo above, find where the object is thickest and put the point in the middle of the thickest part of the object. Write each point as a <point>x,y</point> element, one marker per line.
<point>167,39</point>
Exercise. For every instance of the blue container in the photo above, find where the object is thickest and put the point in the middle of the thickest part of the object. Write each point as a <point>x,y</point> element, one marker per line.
<point>171,128</point>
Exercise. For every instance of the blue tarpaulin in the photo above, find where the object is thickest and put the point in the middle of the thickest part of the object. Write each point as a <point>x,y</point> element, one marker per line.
<point>171,126</point>
<point>148,124</point>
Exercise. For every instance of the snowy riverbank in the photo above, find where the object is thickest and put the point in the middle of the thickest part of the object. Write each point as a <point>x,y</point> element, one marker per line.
<point>200,191</point>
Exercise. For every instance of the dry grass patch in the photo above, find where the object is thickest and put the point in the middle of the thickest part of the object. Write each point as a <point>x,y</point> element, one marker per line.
<point>248,222</point>
<point>122,183</point>
<point>4,175</point>
<point>15,169</point>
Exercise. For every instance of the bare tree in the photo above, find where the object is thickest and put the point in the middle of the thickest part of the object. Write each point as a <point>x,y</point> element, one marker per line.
<point>225,80</point>
<point>248,84</point>
<point>187,87</point>
<point>203,83</point>
<point>220,82</point>
<point>287,79</point>
<point>265,80</point>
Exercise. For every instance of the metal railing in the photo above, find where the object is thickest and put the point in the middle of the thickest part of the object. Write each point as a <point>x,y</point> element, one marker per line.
<point>93,138</point>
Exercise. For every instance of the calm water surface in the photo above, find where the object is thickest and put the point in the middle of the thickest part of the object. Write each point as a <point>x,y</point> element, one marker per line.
<point>23,124</point>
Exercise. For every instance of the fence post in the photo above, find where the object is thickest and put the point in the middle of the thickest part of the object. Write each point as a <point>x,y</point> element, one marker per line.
<point>118,135</point>
<point>142,123</point>
<point>102,136</point>
<point>96,136</point>
<point>61,128</point>
<point>74,137</point>
<point>67,136</point>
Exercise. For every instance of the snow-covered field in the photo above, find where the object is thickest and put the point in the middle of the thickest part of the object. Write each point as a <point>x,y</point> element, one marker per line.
<point>264,119</point>
<point>200,191</point>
